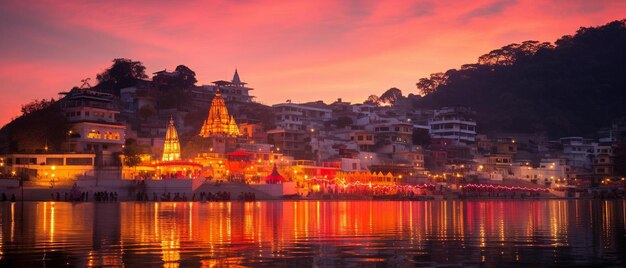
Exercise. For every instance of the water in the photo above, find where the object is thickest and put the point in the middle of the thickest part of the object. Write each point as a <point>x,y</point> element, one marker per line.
<point>312,233</point>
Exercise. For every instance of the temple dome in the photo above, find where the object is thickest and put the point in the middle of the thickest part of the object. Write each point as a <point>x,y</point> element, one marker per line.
<point>219,122</point>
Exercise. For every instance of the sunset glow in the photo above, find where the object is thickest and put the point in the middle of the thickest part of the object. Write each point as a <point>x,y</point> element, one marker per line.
<point>285,50</point>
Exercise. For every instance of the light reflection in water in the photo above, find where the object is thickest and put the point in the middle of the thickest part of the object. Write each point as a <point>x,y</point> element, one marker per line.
<point>313,233</point>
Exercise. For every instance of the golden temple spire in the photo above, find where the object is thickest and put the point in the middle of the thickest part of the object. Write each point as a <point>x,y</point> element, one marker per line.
<point>219,123</point>
<point>171,147</point>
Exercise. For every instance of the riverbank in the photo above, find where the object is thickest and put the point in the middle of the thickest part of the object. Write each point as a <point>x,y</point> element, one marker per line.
<point>64,195</point>
<point>186,190</point>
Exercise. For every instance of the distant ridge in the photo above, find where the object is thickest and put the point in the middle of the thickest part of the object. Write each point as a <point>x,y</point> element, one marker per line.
<point>573,87</point>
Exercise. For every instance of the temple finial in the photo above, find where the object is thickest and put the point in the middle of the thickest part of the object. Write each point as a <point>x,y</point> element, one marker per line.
<point>236,78</point>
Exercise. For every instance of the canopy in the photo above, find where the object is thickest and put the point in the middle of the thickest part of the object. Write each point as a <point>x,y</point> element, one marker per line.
<point>275,177</point>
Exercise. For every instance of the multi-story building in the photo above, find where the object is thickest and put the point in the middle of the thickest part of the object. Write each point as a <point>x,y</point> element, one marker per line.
<point>232,91</point>
<point>578,151</point>
<point>505,146</point>
<point>288,142</point>
<point>455,123</point>
<point>133,99</point>
<point>412,158</point>
<point>393,137</point>
<point>603,159</point>
<point>364,139</point>
<point>500,163</point>
<point>93,124</point>
<point>550,170</point>
<point>48,170</point>
<point>300,117</point>
<point>253,132</point>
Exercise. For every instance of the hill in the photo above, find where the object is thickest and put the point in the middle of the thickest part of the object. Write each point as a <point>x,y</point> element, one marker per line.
<point>571,87</point>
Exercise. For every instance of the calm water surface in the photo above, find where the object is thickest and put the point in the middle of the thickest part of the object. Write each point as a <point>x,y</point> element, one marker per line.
<point>311,233</point>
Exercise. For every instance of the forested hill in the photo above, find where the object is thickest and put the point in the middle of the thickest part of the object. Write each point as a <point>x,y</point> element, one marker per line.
<point>572,87</point>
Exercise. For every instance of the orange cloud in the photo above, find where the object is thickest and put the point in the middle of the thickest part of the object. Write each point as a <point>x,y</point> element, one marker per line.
<point>304,51</point>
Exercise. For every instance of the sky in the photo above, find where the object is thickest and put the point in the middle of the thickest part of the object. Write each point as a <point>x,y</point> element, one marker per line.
<point>297,50</point>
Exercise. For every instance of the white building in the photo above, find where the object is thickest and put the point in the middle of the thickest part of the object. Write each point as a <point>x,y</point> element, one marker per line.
<point>300,117</point>
<point>48,170</point>
<point>93,125</point>
<point>549,171</point>
<point>578,151</point>
<point>455,123</point>
<point>232,91</point>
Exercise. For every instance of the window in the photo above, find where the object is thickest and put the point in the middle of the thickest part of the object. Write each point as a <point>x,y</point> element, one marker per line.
<point>25,161</point>
<point>78,161</point>
<point>94,134</point>
<point>54,161</point>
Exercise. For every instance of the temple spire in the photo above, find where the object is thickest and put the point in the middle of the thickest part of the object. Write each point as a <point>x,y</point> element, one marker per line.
<point>236,79</point>
<point>171,147</point>
<point>219,122</point>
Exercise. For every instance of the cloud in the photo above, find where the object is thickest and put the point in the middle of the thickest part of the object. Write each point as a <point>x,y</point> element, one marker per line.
<point>487,10</point>
<point>305,51</point>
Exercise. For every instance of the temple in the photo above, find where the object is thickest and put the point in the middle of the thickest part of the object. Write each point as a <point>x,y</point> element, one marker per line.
<point>171,147</point>
<point>219,122</point>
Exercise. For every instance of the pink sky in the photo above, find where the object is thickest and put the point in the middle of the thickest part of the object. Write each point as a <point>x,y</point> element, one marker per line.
<point>313,50</point>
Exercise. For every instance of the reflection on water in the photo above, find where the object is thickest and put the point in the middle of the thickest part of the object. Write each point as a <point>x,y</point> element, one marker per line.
<point>311,233</point>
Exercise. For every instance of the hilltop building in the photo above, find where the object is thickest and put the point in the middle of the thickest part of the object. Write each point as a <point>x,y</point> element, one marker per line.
<point>93,124</point>
<point>232,91</point>
<point>300,117</point>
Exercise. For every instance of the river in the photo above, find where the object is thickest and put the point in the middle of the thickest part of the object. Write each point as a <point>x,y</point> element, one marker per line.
<point>314,233</point>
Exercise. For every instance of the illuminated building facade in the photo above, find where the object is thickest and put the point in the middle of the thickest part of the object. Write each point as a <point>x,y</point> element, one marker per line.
<point>219,122</point>
<point>93,125</point>
<point>171,147</point>
<point>48,170</point>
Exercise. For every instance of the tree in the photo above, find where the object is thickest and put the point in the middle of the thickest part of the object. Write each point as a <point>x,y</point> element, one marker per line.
<point>123,73</point>
<point>391,95</point>
<point>186,77</point>
<point>373,99</point>
<point>572,88</point>
<point>132,153</point>
<point>36,105</point>
<point>33,131</point>
<point>511,53</point>
<point>429,85</point>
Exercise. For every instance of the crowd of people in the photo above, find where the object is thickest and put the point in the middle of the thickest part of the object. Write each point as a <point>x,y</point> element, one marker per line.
<point>105,196</point>
<point>202,196</point>
<point>219,196</point>
<point>70,196</point>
